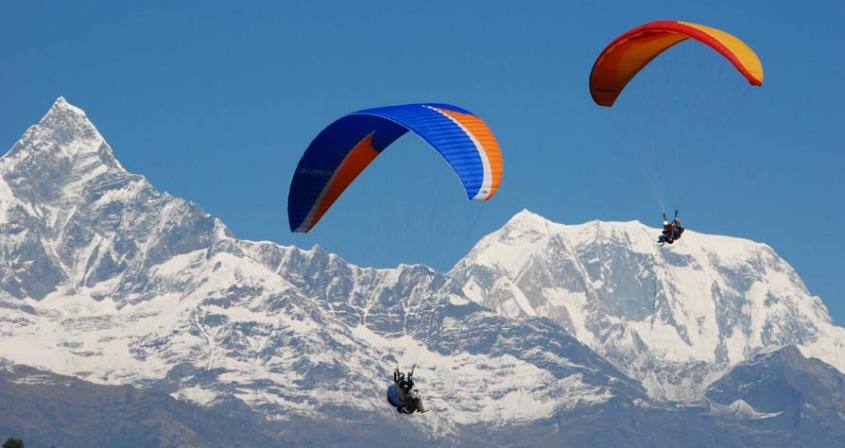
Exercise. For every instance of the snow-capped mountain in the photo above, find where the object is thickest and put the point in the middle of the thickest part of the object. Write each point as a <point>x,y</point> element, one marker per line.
<point>106,279</point>
<point>542,328</point>
<point>675,318</point>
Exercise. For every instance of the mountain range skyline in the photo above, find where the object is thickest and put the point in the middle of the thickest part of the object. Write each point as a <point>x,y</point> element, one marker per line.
<point>108,280</point>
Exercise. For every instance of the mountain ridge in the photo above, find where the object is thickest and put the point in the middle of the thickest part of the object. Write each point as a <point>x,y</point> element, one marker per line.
<point>107,279</point>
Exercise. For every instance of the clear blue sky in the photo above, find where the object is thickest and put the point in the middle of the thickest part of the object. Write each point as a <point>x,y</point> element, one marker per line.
<point>215,102</point>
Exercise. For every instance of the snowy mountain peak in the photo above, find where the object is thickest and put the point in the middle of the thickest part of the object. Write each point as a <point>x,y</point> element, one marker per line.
<point>659,313</point>
<point>66,124</point>
<point>64,140</point>
<point>526,216</point>
<point>76,219</point>
<point>62,106</point>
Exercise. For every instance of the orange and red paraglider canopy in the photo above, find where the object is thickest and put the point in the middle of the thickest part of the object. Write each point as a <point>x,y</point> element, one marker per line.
<point>634,49</point>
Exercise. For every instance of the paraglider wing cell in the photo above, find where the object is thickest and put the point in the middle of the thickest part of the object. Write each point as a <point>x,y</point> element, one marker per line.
<point>634,49</point>
<point>346,147</point>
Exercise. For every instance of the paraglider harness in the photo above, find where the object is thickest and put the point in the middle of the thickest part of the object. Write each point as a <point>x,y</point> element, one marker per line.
<point>402,395</point>
<point>672,230</point>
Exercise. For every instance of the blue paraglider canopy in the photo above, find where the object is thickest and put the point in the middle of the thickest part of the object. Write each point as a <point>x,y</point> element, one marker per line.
<point>346,147</point>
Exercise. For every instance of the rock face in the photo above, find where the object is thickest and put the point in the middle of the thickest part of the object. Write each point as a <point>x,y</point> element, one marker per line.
<point>47,410</point>
<point>675,318</point>
<point>787,386</point>
<point>782,393</point>
<point>542,334</point>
